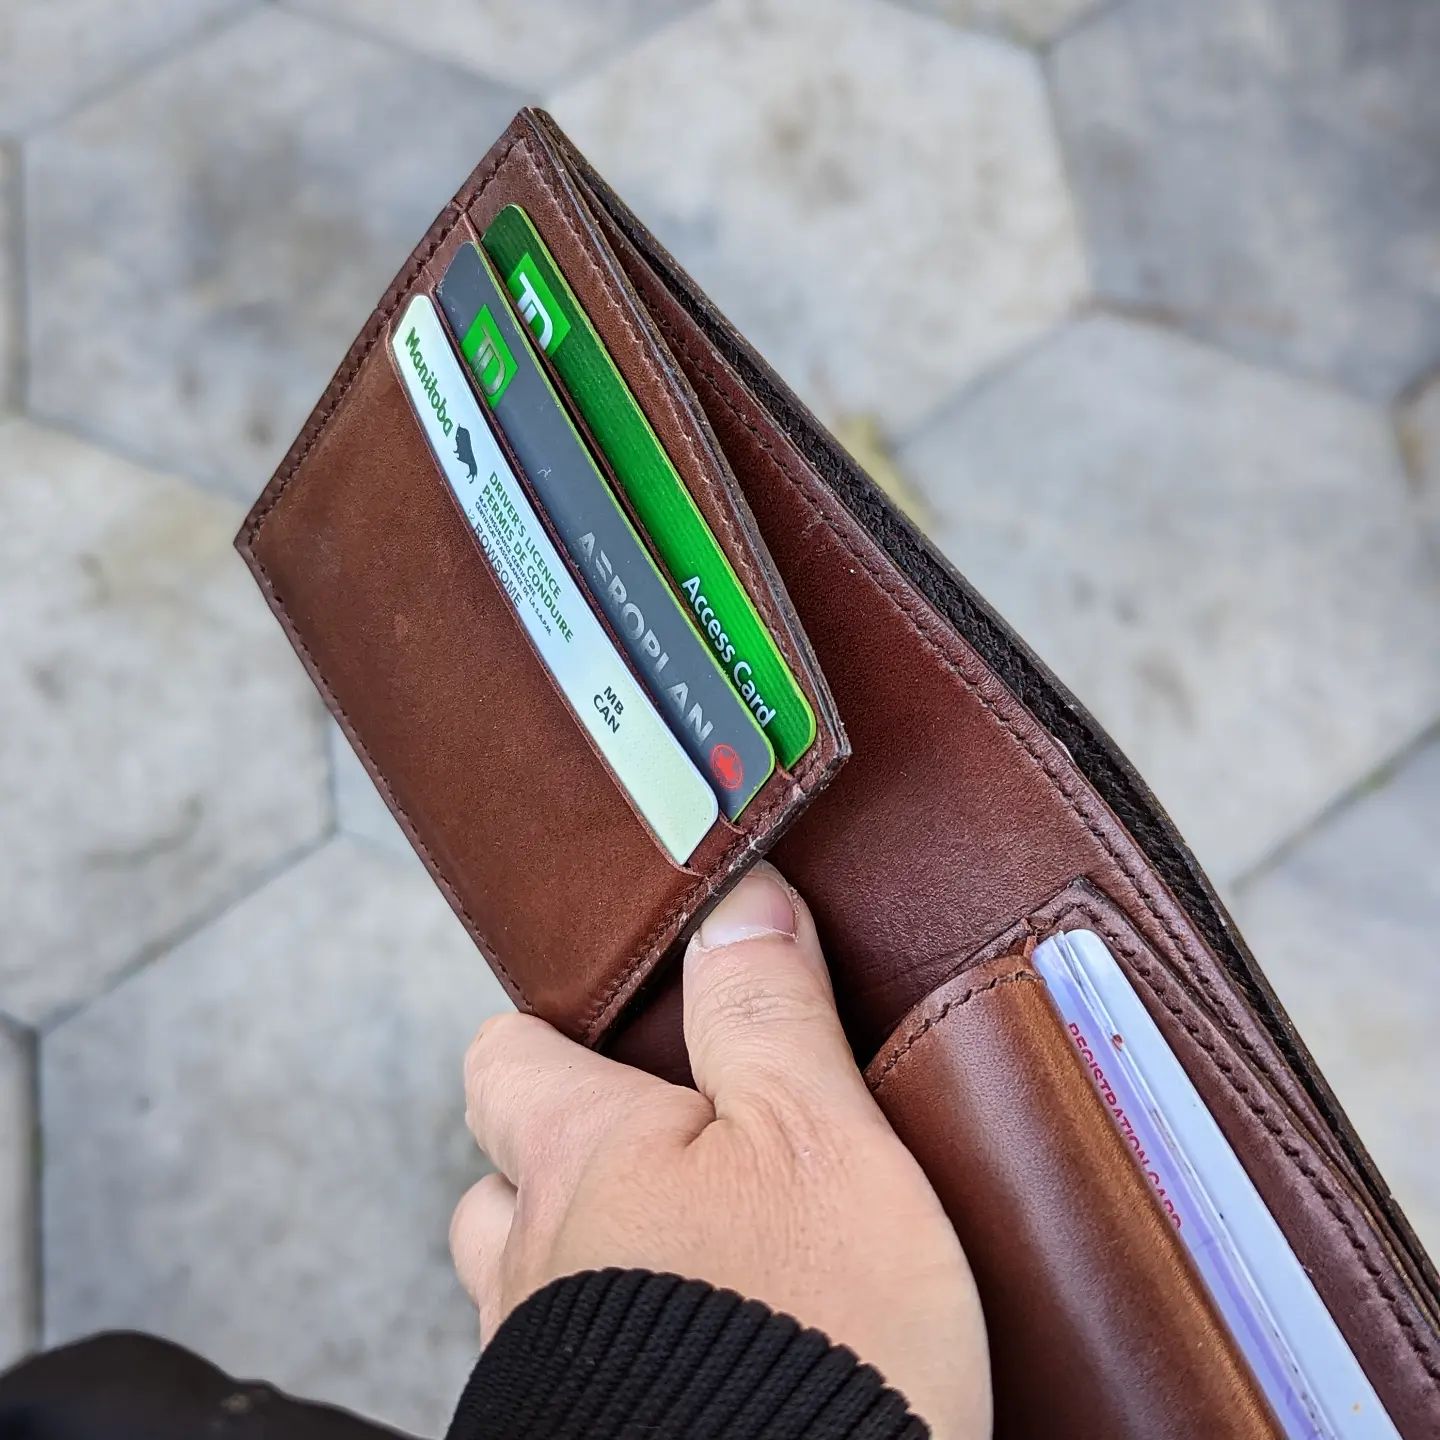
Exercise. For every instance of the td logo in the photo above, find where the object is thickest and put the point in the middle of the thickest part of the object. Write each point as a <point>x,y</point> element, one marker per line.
<point>488,356</point>
<point>536,303</point>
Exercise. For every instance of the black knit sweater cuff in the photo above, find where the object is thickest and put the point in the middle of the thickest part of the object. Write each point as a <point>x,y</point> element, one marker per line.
<point>617,1353</point>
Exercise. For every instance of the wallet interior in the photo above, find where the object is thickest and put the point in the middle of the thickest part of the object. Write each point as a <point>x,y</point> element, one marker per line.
<point>957,806</point>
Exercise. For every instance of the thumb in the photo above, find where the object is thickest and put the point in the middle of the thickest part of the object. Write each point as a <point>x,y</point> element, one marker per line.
<point>760,1019</point>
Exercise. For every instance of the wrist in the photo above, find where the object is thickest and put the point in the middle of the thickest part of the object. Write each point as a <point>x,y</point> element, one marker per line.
<point>627,1351</point>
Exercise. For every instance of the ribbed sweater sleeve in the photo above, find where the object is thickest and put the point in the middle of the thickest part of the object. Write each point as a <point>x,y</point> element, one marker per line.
<point>626,1353</point>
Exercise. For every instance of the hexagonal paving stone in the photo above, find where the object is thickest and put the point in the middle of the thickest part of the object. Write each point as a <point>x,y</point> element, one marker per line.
<point>1263,171</point>
<point>254,1146</point>
<point>255,196</point>
<point>521,42</point>
<point>1345,926</point>
<point>52,56</point>
<point>162,746</point>
<point>1032,21</point>
<point>1222,562</point>
<point>359,810</point>
<point>17,1185</point>
<point>875,199</point>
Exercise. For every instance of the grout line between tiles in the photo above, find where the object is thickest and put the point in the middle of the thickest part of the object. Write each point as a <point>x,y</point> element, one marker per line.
<point>157,949</point>
<point>209,484</point>
<point>1156,313</point>
<point>1080,22</point>
<point>1095,305</point>
<point>607,55</point>
<point>1079,209</point>
<point>332,772</point>
<point>1011,34</point>
<point>991,375</point>
<point>1407,438</point>
<point>142,65</point>
<point>1332,809</point>
<point>375,35</point>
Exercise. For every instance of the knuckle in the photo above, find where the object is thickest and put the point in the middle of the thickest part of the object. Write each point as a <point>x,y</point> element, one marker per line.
<point>740,1004</point>
<point>774,1028</point>
<point>744,1001</point>
<point>498,1035</point>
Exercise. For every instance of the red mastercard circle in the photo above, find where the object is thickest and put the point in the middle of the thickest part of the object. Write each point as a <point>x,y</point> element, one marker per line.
<point>727,766</point>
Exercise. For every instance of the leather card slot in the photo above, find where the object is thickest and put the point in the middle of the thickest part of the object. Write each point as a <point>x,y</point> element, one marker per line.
<point>365,558</point>
<point>1083,904</point>
<point>421,657</point>
<point>1098,1323</point>
<point>1343,1242</point>
<point>530,174</point>
<point>1300,1172</point>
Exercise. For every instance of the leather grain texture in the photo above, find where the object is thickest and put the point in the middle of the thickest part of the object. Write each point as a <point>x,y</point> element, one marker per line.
<point>983,1085</point>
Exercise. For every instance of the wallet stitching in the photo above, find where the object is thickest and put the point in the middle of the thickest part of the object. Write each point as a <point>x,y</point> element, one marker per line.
<point>321,426</point>
<point>412,272</point>
<point>436,870</point>
<point>656,939</point>
<point>800,482</point>
<point>684,422</point>
<point>1010,977</point>
<point>1262,1110</point>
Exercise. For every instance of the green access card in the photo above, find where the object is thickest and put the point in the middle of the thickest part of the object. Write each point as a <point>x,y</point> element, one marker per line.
<point>689,552</point>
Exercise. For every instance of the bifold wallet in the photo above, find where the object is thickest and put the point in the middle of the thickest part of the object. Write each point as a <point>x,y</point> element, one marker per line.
<point>956,807</point>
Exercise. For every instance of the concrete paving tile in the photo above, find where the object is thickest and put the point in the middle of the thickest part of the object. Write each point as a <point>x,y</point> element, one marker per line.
<point>10,338</point>
<point>18,1232</point>
<point>1222,562</point>
<point>359,810</point>
<point>1419,423</point>
<point>163,747</point>
<point>1264,172</point>
<point>257,196</point>
<point>1345,926</point>
<point>875,199</point>
<point>254,1146</point>
<point>526,43</point>
<point>863,438</point>
<point>1031,21</point>
<point>54,56</point>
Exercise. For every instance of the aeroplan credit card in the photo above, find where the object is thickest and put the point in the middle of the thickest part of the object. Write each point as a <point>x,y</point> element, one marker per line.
<point>677,666</point>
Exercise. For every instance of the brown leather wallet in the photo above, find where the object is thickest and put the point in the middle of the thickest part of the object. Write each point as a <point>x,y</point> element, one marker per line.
<point>956,806</point>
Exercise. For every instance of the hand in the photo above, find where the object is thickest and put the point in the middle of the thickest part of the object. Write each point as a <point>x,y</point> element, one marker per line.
<point>778,1177</point>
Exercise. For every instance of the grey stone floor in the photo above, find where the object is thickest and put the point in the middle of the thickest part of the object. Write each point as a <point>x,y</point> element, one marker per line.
<point>1135,303</point>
